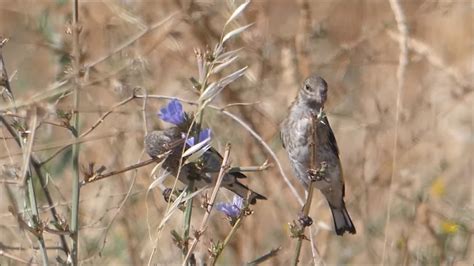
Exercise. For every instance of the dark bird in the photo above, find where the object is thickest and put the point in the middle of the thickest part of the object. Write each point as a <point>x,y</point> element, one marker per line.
<point>205,169</point>
<point>296,134</point>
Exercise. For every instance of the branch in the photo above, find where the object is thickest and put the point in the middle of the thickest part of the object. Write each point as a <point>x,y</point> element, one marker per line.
<point>210,203</point>
<point>97,176</point>
<point>403,62</point>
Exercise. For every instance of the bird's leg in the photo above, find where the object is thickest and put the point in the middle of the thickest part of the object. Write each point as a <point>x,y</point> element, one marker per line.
<point>168,196</point>
<point>319,174</point>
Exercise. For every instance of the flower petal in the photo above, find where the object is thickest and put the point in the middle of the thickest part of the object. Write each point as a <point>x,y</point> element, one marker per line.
<point>172,113</point>
<point>238,202</point>
<point>203,136</point>
<point>231,210</point>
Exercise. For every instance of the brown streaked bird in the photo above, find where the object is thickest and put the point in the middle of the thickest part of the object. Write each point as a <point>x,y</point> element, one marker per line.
<point>296,137</point>
<point>204,172</point>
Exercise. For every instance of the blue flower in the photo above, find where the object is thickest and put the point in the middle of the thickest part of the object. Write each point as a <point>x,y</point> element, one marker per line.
<point>203,135</point>
<point>172,113</point>
<point>231,210</point>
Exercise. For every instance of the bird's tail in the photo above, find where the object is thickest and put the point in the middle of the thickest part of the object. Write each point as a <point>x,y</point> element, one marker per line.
<point>342,220</point>
<point>243,191</point>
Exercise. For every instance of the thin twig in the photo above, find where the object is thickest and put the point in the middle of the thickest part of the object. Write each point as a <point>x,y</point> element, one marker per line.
<point>210,203</point>
<point>317,260</point>
<point>238,104</point>
<point>403,62</point>
<point>272,253</point>
<point>55,90</point>
<point>13,257</point>
<point>133,39</point>
<point>61,143</point>
<point>127,195</point>
<point>433,58</point>
<point>52,91</point>
<point>259,168</point>
<point>94,126</point>
<point>98,177</point>
<point>129,192</point>
<point>4,79</point>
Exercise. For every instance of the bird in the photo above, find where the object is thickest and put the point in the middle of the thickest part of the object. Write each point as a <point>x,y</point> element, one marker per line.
<point>204,171</point>
<point>296,133</point>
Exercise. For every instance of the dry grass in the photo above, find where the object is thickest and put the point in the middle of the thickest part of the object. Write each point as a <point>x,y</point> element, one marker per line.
<point>354,45</point>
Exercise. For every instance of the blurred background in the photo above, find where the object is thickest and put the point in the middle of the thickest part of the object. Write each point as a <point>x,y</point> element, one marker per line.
<point>354,44</point>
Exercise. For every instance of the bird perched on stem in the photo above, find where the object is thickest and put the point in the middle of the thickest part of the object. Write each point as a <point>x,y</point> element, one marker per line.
<point>298,135</point>
<point>203,170</point>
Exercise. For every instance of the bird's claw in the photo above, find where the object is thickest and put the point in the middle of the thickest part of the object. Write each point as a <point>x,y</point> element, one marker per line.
<point>319,174</point>
<point>313,175</point>
<point>305,220</point>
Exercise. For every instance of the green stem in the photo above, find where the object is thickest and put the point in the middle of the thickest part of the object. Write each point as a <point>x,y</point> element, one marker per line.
<point>231,233</point>
<point>227,239</point>
<point>296,258</point>
<point>187,216</point>
<point>35,218</point>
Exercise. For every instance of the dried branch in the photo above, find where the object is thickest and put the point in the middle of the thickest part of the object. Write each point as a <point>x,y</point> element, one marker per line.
<point>210,203</point>
<point>96,176</point>
<point>403,62</point>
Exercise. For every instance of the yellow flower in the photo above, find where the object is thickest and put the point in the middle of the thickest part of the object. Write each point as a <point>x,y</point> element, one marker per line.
<point>438,187</point>
<point>449,227</point>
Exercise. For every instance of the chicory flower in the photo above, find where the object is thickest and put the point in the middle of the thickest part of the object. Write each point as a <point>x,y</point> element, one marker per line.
<point>172,113</point>
<point>231,209</point>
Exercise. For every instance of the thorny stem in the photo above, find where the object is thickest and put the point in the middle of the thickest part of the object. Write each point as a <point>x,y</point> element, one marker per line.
<point>75,149</point>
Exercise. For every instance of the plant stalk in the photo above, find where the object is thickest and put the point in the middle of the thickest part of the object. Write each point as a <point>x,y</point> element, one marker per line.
<point>75,149</point>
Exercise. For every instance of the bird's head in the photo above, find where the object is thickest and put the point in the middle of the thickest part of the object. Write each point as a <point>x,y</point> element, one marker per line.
<point>314,91</point>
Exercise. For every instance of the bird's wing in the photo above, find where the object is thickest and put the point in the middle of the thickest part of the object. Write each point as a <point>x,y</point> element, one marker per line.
<point>212,161</point>
<point>331,137</point>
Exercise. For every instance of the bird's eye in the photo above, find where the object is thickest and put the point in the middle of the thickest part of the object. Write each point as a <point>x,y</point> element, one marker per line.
<point>307,87</point>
